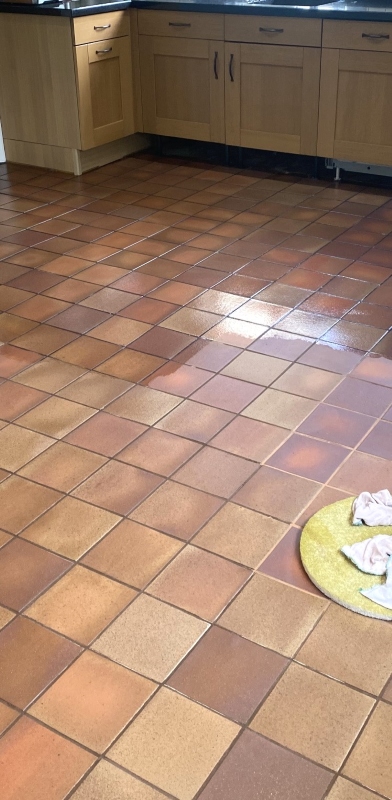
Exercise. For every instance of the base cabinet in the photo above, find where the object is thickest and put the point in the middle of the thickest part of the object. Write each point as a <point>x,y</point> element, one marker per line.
<point>356,106</point>
<point>182,83</point>
<point>272,97</point>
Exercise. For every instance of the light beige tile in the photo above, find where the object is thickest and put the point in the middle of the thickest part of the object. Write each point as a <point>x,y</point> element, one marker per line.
<point>370,761</point>
<point>256,368</point>
<point>95,390</point>
<point>335,643</point>
<point>49,375</point>
<point>5,616</point>
<point>119,330</point>
<point>107,782</point>
<point>56,417</point>
<point>150,637</point>
<point>240,534</point>
<point>190,320</point>
<point>174,743</point>
<point>18,446</point>
<point>313,715</point>
<point>280,408</point>
<point>307,381</point>
<point>71,527</point>
<point>145,405</point>
<point>273,614</point>
<point>345,790</point>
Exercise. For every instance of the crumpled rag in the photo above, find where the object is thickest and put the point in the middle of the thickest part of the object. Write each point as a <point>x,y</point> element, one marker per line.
<point>373,509</point>
<point>382,593</point>
<point>371,555</point>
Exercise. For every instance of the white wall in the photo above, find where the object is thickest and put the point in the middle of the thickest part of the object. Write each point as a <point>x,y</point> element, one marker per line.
<point>2,153</point>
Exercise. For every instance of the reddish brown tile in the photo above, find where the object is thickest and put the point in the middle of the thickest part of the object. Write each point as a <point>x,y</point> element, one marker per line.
<point>309,458</point>
<point>277,494</point>
<point>284,563</point>
<point>118,487</point>
<point>26,572</point>
<point>16,399</point>
<point>162,342</point>
<point>336,425</point>
<point>31,657</point>
<point>193,509</point>
<point>379,441</point>
<point>159,452</point>
<point>227,393</point>
<point>357,395</point>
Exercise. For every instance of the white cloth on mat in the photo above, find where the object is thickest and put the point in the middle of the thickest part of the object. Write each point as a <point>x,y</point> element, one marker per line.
<point>371,555</point>
<point>373,509</point>
<point>382,593</point>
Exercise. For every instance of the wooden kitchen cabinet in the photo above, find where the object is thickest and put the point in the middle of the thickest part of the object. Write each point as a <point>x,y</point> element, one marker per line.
<point>355,122</point>
<point>272,96</point>
<point>182,81</point>
<point>104,81</point>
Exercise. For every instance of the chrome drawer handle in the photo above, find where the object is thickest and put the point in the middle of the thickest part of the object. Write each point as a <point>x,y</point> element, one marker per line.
<point>101,27</point>
<point>375,36</point>
<point>271,30</point>
<point>101,52</point>
<point>231,67</point>
<point>216,65</point>
<point>180,24</point>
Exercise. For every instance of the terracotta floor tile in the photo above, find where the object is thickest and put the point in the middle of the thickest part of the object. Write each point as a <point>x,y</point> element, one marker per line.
<point>308,457</point>
<point>352,334</point>
<point>337,425</point>
<point>45,339</point>
<point>161,342</point>
<point>49,375</point>
<point>31,658</point>
<point>357,395</point>
<point>105,434</point>
<point>345,790</point>
<point>256,368</point>
<point>284,563</point>
<point>107,299</point>
<point>191,321</point>
<point>66,265</point>
<point>208,355</point>
<point>227,393</point>
<point>150,637</point>
<point>132,553</point>
<point>362,473</point>
<point>26,572</point>
<point>331,357</point>
<point>215,471</point>
<point>249,438</point>
<point>281,344</point>
<point>169,761</point>
<point>86,352</point>
<point>159,452</point>
<point>307,381</point>
<point>259,534</point>
<point>276,493</point>
<point>40,308</point>
<point>279,409</point>
<point>369,761</point>
<point>146,309</point>
<point>81,604</point>
<point>181,380</point>
<point>281,294</point>
<point>130,365</point>
<point>228,674</point>
<point>62,467</point>
<point>144,405</point>
<point>56,417</point>
<point>193,509</point>
<point>176,292</point>
<point>137,283</point>
<point>118,487</point>
<point>16,399</point>
<point>332,645</point>
<point>52,764</point>
<point>7,717</point>
<point>70,528</point>
<point>95,390</point>
<point>305,323</point>
<point>217,302</point>
<point>93,701</point>
<point>256,767</point>
<point>107,780</point>
<point>199,582</point>
<point>387,694</point>
<point>12,326</point>
<point>195,421</point>
<point>18,446</point>
<point>323,731</point>
<point>349,287</point>
<point>119,330</point>
<point>375,370</point>
<point>36,499</point>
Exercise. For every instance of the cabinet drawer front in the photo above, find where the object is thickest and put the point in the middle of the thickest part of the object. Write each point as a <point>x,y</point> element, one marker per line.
<point>100,26</point>
<point>273,30</point>
<point>181,23</point>
<point>375,36</point>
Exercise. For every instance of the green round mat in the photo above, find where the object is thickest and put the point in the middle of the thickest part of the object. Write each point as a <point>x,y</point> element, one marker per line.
<point>322,537</point>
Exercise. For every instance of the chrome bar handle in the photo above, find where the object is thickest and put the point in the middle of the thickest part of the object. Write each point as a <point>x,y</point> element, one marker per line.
<point>231,62</point>
<point>271,30</point>
<point>101,52</point>
<point>216,65</point>
<point>375,36</point>
<point>101,27</point>
<point>180,24</point>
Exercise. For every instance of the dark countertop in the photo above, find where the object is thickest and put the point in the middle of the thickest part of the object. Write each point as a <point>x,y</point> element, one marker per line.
<point>356,9</point>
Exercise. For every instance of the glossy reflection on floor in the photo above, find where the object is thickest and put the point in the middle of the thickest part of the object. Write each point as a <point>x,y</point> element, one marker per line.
<point>194,360</point>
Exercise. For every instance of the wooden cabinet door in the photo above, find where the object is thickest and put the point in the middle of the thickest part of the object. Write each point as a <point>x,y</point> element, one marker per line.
<point>272,97</point>
<point>183,87</point>
<point>104,75</point>
<point>356,106</point>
